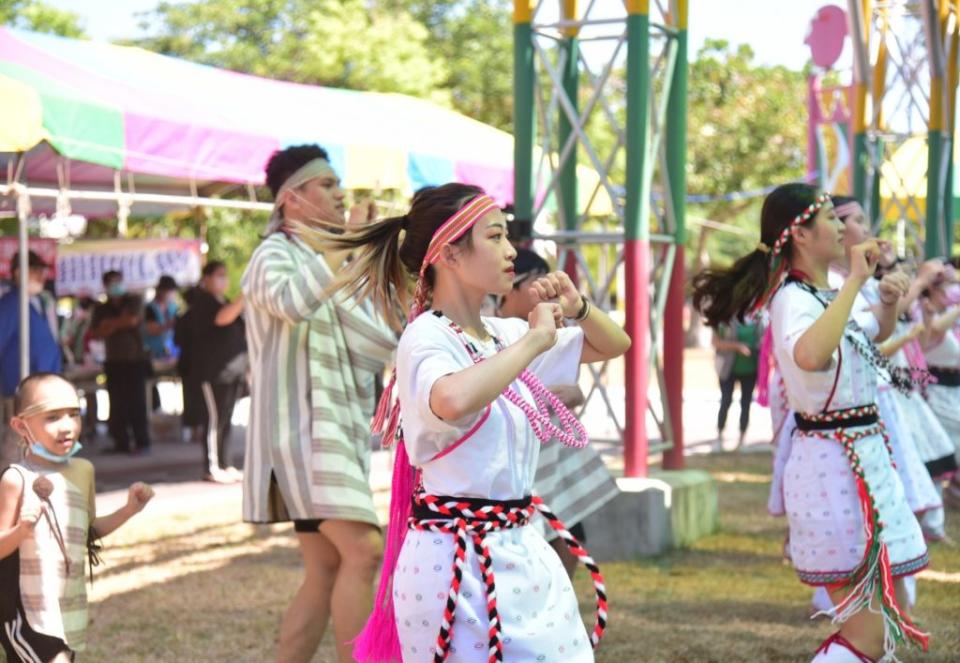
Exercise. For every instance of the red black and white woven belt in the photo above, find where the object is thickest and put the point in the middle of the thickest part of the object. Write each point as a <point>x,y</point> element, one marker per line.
<point>469,520</point>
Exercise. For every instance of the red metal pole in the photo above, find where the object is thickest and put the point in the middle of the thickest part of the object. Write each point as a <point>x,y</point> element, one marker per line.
<point>673,359</point>
<point>636,442</point>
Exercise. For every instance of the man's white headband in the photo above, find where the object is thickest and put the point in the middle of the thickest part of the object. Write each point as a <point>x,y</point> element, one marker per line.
<point>306,172</point>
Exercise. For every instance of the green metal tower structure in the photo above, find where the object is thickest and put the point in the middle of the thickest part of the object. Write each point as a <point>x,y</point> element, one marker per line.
<point>635,82</point>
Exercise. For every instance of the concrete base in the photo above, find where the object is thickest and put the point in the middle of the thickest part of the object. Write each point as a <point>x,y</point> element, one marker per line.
<point>669,509</point>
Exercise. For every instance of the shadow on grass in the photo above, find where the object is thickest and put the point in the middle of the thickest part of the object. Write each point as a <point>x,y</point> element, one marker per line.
<point>231,612</point>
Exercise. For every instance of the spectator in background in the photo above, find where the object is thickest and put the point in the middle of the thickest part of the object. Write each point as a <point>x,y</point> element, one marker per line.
<point>75,331</point>
<point>194,418</point>
<point>118,322</point>
<point>737,345</point>
<point>221,361</point>
<point>44,349</point>
<point>160,317</point>
<point>45,354</point>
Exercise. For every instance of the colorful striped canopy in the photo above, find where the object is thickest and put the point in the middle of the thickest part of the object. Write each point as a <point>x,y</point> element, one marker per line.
<point>110,108</point>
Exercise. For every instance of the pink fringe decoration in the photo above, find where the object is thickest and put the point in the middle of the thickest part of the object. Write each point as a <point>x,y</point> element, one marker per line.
<point>914,355</point>
<point>764,364</point>
<point>379,642</point>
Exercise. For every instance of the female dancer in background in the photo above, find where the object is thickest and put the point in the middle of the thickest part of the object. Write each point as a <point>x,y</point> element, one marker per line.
<point>850,527</point>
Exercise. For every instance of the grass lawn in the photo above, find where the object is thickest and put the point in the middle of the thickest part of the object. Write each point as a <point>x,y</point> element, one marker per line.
<point>204,587</point>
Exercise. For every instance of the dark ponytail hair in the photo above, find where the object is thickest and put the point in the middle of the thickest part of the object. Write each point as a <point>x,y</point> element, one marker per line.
<point>390,252</point>
<point>720,295</point>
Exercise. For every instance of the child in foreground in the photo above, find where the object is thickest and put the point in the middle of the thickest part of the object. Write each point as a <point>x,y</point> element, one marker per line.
<point>48,525</point>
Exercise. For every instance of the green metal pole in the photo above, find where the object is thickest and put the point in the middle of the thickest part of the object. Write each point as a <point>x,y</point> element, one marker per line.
<point>523,110</point>
<point>860,160</point>
<point>933,245</point>
<point>637,236</point>
<point>673,337</point>
<point>948,206</point>
<point>569,209</point>
<point>875,200</point>
<point>571,87</point>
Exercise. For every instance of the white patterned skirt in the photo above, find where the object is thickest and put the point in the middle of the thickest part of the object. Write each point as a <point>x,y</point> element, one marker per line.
<point>828,534</point>
<point>537,605</point>
<point>945,403</point>
<point>781,453</point>
<point>932,440</point>
<point>918,487</point>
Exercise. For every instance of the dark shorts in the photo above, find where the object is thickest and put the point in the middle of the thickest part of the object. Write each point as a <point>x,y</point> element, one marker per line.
<point>577,531</point>
<point>21,643</point>
<point>307,526</point>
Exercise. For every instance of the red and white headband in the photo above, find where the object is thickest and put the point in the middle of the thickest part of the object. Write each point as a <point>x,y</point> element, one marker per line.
<point>798,221</point>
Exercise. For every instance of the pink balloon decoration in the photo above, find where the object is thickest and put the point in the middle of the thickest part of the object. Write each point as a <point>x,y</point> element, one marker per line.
<point>828,29</point>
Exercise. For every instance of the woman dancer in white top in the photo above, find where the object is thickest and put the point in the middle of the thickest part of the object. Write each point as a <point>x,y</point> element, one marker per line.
<point>850,527</point>
<point>465,577</point>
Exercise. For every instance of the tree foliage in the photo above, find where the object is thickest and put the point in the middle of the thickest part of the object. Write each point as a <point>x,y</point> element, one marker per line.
<point>339,43</point>
<point>475,38</point>
<point>40,17</point>
<point>746,130</point>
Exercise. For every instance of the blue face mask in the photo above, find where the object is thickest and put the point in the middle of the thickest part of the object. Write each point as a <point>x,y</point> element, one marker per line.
<point>40,451</point>
<point>117,290</point>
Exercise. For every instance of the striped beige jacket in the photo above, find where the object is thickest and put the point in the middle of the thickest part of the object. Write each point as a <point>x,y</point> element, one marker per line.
<point>313,364</point>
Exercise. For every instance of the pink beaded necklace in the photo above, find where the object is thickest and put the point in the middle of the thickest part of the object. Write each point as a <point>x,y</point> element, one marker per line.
<point>570,433</point>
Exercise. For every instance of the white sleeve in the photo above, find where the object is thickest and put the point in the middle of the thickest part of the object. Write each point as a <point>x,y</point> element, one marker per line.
<point>560,365</point>
<point>424,357</point>
<point>867,321</point>
<point>792,313</point>
<point>863,314</point>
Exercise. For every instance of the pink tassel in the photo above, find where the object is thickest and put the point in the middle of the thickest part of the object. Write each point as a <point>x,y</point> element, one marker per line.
<point>764,364</point>
<point>383,409</point>
<point>914,355</point>
<point>379,642</point>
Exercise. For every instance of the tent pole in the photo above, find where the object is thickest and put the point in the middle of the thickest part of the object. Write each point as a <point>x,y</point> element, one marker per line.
<point>23,212</point>
<point>150,198</point>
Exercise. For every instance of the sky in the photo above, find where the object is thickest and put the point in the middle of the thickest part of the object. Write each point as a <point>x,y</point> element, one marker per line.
<point>774,29</point>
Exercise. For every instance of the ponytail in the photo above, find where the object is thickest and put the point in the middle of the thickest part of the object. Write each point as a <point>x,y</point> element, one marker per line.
<point>376,271</point>
<point>723,294</point>
<point>389,254</point>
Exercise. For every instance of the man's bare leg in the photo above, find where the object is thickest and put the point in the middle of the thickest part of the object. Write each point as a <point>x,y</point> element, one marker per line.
<point>306,617</point>
<point>360,546</point>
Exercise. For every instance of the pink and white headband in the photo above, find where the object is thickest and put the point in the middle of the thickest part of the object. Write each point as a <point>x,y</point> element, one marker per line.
<point>849,209</point>
<point>456,227</point>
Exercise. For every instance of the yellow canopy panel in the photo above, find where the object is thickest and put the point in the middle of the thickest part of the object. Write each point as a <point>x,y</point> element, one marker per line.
<point>21,116</point>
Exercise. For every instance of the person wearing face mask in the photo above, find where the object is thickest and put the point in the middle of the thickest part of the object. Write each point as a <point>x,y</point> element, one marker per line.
<point>118,322</point>
<point>44,351</point>
<point>160,317</point>
<point>48,526</point>
<point>220,358</point>
<point>314,357</point>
